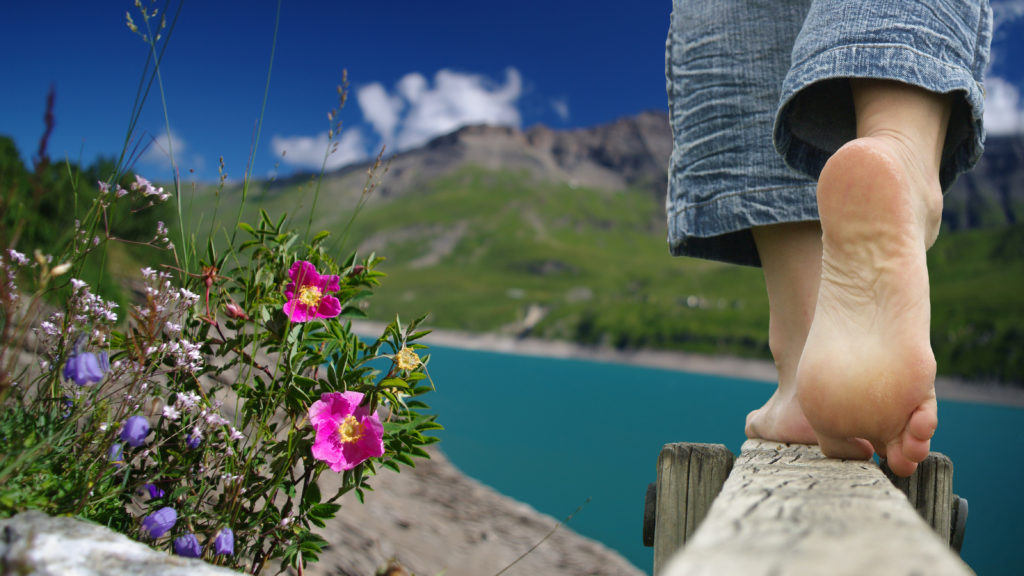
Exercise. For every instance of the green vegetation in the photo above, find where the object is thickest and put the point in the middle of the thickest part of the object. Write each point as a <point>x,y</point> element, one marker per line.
<point>977,278</point>
<point>42,209</point>
<point>500,251</point>
<point>480,249</point>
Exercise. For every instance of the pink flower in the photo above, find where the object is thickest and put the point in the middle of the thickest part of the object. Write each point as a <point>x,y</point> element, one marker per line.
<point>306,293</point>
<point>346,433</point>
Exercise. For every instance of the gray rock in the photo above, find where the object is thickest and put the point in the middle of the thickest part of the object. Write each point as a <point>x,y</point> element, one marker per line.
<point>32,543</point>
<point>436,520</point>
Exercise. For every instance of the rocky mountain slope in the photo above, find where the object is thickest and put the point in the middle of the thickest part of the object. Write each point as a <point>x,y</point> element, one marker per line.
<point>633,152</point>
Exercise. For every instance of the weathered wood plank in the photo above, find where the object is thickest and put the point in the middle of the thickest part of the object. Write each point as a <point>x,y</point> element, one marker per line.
<point>690,476</point>
<point>930,491</point>
<point>786,510</point>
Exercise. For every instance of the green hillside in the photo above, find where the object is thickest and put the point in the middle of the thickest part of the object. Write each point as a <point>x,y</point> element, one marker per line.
<point>595,262</point>
<point>497,251</point>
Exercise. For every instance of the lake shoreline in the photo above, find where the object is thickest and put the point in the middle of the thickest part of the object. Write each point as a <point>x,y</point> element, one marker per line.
<point>946,388</point>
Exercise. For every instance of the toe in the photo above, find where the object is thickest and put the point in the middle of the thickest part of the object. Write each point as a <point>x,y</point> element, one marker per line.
<point>916,438</point>
<point>923,421</point>
<point>898,461</point>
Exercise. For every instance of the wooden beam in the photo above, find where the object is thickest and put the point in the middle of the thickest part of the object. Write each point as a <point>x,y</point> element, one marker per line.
<point>690,476</point>
<point>788,510</point>
<point>929,491</point>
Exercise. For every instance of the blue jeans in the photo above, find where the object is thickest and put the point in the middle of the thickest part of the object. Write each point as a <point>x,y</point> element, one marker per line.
<point>759,99</point>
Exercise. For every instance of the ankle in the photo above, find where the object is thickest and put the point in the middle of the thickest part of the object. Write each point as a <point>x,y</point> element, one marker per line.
<point>911,124</point>
<point>921,171</point>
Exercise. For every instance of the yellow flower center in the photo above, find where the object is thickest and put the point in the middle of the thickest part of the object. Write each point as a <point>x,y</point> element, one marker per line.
<point>350,430</point>
<point>407,359</point>
<point>310,296</point>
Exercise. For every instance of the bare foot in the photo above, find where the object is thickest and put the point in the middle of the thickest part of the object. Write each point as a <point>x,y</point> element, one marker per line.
<point>791,259</point>
<point>866,378</point>
<point>781,419</point>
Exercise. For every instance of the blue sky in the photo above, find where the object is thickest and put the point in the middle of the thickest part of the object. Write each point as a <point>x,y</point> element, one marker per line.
<point>416,70</point>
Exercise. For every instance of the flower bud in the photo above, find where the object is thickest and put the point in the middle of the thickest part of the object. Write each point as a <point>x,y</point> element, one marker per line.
<point>188,546</point>
<point>233,310</point>
<point>224,544</point>
<point>61,269</point>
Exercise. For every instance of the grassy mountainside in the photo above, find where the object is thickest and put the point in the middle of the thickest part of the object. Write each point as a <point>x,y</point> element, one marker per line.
<point>977,283</point>
<point>494,251</point>
<point>491,250</point>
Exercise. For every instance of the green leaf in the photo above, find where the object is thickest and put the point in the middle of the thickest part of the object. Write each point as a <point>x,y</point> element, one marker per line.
<point>312,496</point>
<point>324,511</point>
<point>306,383</point>
<point>320,236</point>
<point>247,228</point>
<point>429,425</point>
<point>418,335</point>
<point>405,459</point>
<point>265,220</point>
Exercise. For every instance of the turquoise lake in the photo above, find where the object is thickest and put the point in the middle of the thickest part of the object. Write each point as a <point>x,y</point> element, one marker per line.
<point>554,433</point>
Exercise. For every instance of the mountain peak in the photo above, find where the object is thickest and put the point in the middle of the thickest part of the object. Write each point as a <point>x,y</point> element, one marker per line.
<point>630,152</point>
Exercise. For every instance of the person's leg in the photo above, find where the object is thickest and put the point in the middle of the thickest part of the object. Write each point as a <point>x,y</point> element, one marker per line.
<point>791,257</point>
<point>867,370</point>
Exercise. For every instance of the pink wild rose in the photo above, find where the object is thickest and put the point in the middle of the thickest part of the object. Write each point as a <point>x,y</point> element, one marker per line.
<point>346,433</point>
<point>307,293</point>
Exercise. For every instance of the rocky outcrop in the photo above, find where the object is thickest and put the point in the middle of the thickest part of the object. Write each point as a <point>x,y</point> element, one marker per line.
<point>435,520</point>
<point>432,519</point>
<point>632,151</point>
<point>32,543</point>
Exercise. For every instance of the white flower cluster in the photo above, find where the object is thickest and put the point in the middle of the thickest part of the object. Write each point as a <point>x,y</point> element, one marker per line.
<point>141,185</point>
<point>164,309</point>
<point>88,315</point>
<point>88,307</point>
<point>146,188</point>
<point>8,275</point>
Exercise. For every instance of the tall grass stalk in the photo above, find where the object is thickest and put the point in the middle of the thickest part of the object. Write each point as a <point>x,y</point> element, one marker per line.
<point>247,177</point>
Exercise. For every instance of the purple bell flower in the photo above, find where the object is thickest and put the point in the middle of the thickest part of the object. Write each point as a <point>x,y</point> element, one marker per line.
<point>193,440</point>
<point>158,523</point>
<point>154,491</point>
<point>188,546</point>
<point>86,367</point>
<point>116,453</point>
<point>224,544</point>
<point>135,430</point>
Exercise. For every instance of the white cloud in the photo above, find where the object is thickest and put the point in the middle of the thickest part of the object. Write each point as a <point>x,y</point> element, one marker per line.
<point>561,106</point>
<point>1004,110</point>
<point>157,156</point>
<point>1006,11</point>
<point>380,110</point>
<point>418,112</point>
<point>159,151</point>
<point>308,151</point>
